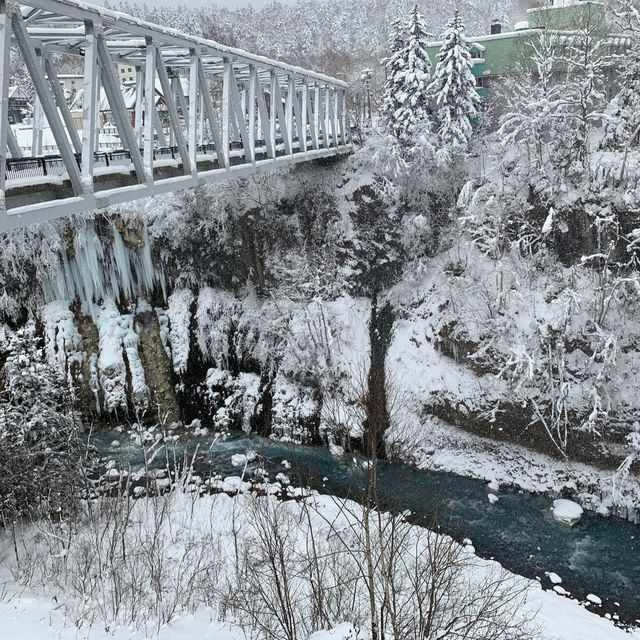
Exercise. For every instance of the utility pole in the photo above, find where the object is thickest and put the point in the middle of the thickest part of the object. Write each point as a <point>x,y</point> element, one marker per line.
<point>365,76</point>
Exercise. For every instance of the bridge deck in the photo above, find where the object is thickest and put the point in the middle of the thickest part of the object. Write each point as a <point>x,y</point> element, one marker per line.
<point>226,112</point>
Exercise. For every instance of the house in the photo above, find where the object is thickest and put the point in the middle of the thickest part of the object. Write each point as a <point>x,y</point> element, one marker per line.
<point>129,93</point>
<point>127,74</point>
<point>500,54</point>
<point>19,104</point>
<point>71,83</point>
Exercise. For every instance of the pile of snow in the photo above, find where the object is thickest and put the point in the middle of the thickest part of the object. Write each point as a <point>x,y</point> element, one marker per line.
<point>567,511</point>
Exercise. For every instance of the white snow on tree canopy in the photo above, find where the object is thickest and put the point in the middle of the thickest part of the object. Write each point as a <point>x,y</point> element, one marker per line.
<point>454,87</point>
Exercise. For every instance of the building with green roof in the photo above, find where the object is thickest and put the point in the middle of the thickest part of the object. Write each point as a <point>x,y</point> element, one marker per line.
<point>503,53</point>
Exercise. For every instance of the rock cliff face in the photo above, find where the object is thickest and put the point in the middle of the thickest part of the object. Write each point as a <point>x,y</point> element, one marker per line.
<point>306,306</point>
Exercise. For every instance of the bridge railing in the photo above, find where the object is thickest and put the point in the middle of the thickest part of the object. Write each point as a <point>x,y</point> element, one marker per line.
<point>244,112</point>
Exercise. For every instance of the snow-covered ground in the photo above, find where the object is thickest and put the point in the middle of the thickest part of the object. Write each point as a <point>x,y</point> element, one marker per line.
<point>50,613</point>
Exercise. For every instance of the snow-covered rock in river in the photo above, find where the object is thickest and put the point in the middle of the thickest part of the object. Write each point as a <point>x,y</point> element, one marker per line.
<point>240,459</point>
<point>593,599</point>
<point>567,511</point>
<point>554,577</point>
<point>492,497</point>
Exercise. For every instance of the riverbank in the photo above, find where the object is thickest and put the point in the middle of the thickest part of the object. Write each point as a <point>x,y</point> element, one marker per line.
<point>430,443</point>
<point>39,613</point>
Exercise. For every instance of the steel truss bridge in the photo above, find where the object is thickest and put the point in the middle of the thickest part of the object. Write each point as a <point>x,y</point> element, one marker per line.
<point>239,113</point>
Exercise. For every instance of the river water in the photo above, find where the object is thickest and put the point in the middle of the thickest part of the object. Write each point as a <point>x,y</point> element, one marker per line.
<point>598,555</point>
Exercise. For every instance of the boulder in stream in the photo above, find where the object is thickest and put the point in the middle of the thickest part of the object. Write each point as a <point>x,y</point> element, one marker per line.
<point>567,511</point>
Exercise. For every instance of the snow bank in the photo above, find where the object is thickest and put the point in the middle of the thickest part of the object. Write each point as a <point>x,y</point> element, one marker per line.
<point>190,521</point>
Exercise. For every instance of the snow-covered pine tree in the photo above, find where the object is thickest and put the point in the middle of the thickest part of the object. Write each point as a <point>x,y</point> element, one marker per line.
<point>393,66</point>
<point>405,108</point>
<point>454,87</point>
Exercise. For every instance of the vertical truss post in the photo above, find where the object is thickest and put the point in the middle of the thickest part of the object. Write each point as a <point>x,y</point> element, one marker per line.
<point>240,117</point>
<point>282,119</point>
<point>326,117</point>
<point>341,118</point>
<point>98,123</point>
<point>172,95</point>
<point>137,116</point>
<point>5,55</point>
<point>273,118</point>
<point>251,104</point>
<point>194,99</point>
<point>289,100</point>
<point>201,120</point>
<point>174,119</point>
<point>37,120</point>
<point>265,122</point>
<point>333,114</point>
<point>304,113</point>
<point>42,90</point>
<point>301,131</point>
<point>317,114</point>
<point>150,115</point>
<point>226,109</point>
<point>61,101</point>
<point>312,118</point>
<point>118,108</point>
<point>90,106</point>
<point>223,159</point>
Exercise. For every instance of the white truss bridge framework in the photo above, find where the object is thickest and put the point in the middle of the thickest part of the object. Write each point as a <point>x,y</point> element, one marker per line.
<point>242,113</point>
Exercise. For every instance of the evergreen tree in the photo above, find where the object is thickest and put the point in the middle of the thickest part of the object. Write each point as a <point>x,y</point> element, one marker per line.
<point>453,87</point>
<point>405,108</point>
<point>40,437</point>
<point>393,66</point>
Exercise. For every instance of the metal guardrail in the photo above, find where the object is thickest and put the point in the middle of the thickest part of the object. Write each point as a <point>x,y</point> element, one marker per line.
<point>53,165</point>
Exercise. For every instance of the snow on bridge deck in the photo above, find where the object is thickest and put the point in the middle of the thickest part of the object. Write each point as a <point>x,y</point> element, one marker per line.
<point>228,113</point>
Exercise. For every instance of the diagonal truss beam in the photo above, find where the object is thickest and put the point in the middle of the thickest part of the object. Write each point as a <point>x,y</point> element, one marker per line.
<point>118,108</point>
<point>30,57</point>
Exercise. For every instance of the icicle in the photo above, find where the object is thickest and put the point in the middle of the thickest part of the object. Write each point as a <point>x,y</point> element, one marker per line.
<point>121,266</point>
<point>94,273</point>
